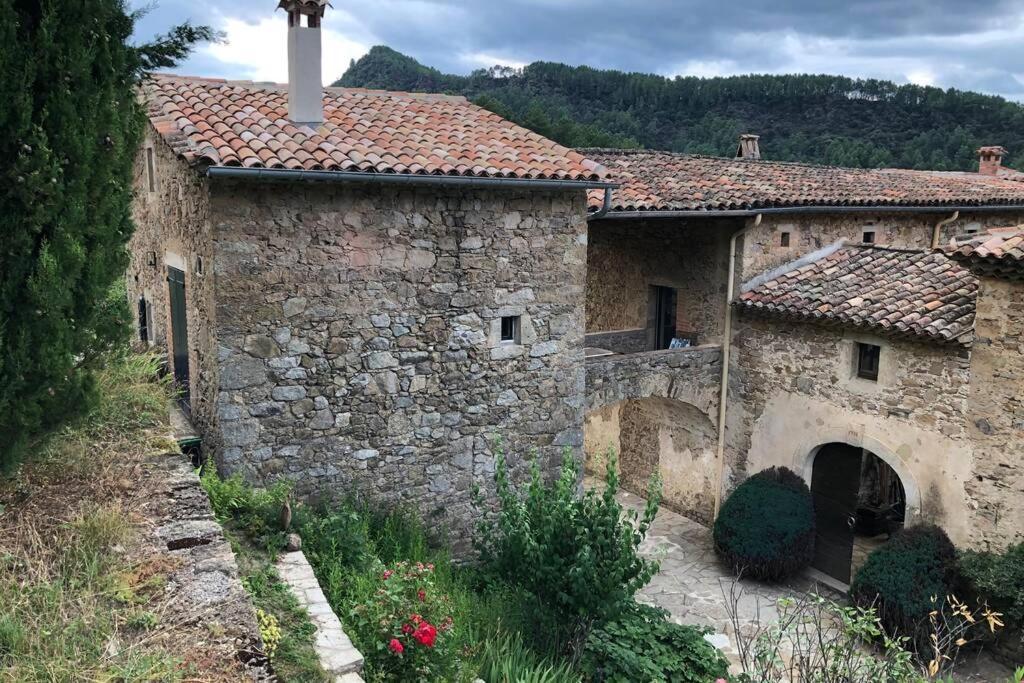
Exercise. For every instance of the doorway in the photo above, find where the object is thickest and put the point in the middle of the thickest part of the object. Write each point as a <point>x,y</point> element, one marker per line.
<point>859,502</point>
<point>179,333</point>
<point>664,300</point>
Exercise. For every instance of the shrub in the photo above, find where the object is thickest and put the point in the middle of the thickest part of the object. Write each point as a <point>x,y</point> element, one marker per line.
<point>901,578</point>
<point>576,554</point>
<point>998,580</point>
<point>765,529</point>
<point>405,630</point>
<point>642,645</point>
<point>256,511</point>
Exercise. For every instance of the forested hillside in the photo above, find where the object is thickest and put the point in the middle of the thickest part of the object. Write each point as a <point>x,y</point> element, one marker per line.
<point>821,119</point>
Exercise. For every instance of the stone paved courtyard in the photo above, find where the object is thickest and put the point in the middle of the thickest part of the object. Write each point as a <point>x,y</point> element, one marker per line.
<point>692,585</point>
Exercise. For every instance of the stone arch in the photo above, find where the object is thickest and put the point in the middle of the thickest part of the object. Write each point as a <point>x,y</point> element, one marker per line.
<point>804,454</point>
<point>657,435</point>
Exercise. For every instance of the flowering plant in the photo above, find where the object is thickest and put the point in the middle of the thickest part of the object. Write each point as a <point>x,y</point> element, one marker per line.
<point>405,628</point>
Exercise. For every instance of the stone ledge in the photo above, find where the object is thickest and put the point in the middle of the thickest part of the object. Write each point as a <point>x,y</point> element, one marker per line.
<point>338,656</point>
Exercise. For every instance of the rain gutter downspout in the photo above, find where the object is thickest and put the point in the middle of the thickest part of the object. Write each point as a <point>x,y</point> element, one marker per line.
<point>239,172</point>
<point>606,206</point>
<point>937,234</point>
<point>723,391</point>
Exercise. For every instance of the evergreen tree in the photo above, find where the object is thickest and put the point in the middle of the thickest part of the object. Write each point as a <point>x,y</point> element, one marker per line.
<point>70,125</point>
<point>813,118</point>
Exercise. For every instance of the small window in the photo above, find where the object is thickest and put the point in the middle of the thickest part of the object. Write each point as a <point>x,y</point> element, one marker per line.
<point>151,169</point>
<point>510,329</point>
<point>199,265</point>
<point>143,319</point>
<point>867,361</point>
<point>869,237</point>
<point>784,239</point>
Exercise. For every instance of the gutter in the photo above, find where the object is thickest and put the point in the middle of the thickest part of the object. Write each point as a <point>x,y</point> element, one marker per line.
<point>937,234</point>
<point>289,175</point>
<point>723,389</point>
<point>753,213</point>
<point>606,206</point>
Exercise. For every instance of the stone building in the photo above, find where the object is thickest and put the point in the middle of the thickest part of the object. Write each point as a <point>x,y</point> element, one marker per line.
<point>854,355</point>
<point>361,291</point>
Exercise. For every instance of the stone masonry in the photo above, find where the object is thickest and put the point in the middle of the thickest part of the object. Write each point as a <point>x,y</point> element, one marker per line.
<point>359,337</point>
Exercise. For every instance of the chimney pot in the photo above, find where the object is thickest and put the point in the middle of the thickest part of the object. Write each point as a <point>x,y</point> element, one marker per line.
<point>305,52</point>
<point>990,159</point>
<point>748,147</point>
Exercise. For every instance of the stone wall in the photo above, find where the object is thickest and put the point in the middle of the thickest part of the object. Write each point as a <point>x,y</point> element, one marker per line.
<point>762,246</point>
<point>360,337</point>
<point>619,341</point>
<point>658,411</point>
<point>172,227</point>
<point>996,415</point>
<point>626,257</point>
<point>795,388</point>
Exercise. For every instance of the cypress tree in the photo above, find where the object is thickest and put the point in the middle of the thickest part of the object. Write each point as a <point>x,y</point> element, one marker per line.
<point>70,124</point>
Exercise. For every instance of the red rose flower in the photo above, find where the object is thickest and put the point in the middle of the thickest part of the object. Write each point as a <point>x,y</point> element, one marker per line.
<point>425,634</point>
<point>422,594</point>
<point>407,629</point>
<point>415,618</point>
<point>387,574</point>
<point>396,646</point>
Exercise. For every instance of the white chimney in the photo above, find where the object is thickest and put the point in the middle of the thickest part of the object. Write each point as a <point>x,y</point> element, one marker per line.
<point>305,82</point>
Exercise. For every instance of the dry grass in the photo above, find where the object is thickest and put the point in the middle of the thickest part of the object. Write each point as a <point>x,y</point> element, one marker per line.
<point>81,587</point>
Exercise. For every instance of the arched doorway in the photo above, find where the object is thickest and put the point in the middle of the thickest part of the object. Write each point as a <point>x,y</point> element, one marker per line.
<point>859,501</point>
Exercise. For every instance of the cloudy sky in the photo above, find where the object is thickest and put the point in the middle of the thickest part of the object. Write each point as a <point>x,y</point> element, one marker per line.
<point>967,44</point>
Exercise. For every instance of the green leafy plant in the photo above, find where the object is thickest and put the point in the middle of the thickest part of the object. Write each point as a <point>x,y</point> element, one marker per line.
<point>256,511</point>
<point>997,579</point>
<point>506,659</point>
<point>405,629</point>
<point>578,555</point>
<point>765,530</point>
<point>901,578</point>
<point>643,645</point>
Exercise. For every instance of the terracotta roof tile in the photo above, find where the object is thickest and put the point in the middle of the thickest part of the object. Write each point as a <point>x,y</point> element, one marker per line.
<point>667,181</point>
<point>998,252</point>
<point>893,292</point>
<point>220,123</point>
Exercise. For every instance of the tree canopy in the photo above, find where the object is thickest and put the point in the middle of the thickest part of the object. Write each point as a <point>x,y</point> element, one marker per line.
<point>70,125</point>
<point>813,118</point>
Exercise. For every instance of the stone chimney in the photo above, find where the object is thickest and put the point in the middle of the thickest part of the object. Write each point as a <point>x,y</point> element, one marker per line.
<point>748,147</point>
<point>990,160</point>
<point>305,81</point>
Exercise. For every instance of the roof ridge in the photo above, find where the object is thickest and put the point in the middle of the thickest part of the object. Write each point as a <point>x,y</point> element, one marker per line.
<point>268,85</point>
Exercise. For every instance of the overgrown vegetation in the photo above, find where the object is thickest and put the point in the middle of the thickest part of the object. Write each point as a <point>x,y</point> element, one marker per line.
<point>81,596</point>
<point>251,520</point>
<point>813,118</point>
<point>577,555</point>
<point>902,578</point>
<point>765,529</point>
<point>69,130</point>
<point>641,644</point>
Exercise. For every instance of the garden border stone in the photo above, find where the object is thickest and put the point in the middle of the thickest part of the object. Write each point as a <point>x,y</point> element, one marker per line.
<point>338,656</point>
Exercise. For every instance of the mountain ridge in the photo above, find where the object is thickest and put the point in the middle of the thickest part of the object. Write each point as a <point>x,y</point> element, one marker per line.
<point>823,119</point>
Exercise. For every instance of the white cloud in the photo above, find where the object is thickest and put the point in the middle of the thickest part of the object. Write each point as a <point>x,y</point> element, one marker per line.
<point>259,50</point>
<point>705,68</point>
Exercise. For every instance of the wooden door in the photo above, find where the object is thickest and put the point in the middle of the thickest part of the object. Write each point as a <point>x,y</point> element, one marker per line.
<point>179,331</point>
<point>664,316</point>
<point>835,483</point>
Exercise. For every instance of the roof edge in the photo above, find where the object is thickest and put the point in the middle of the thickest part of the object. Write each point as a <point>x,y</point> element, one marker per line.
<point>812,208</point>
<point>804,260</point>
<point>299,175</point>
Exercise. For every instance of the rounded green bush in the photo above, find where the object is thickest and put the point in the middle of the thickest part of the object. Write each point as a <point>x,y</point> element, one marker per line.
<point>901,578</point>
<point>765,530</point>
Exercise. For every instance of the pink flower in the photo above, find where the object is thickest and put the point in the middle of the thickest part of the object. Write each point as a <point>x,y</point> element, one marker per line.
<point>396,646</point>
<point>407,629</point>
<point>387,574</point>
<point>422,595</point>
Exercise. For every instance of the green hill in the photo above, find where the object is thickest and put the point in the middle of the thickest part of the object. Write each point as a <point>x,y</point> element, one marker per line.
<point>814,118</point>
